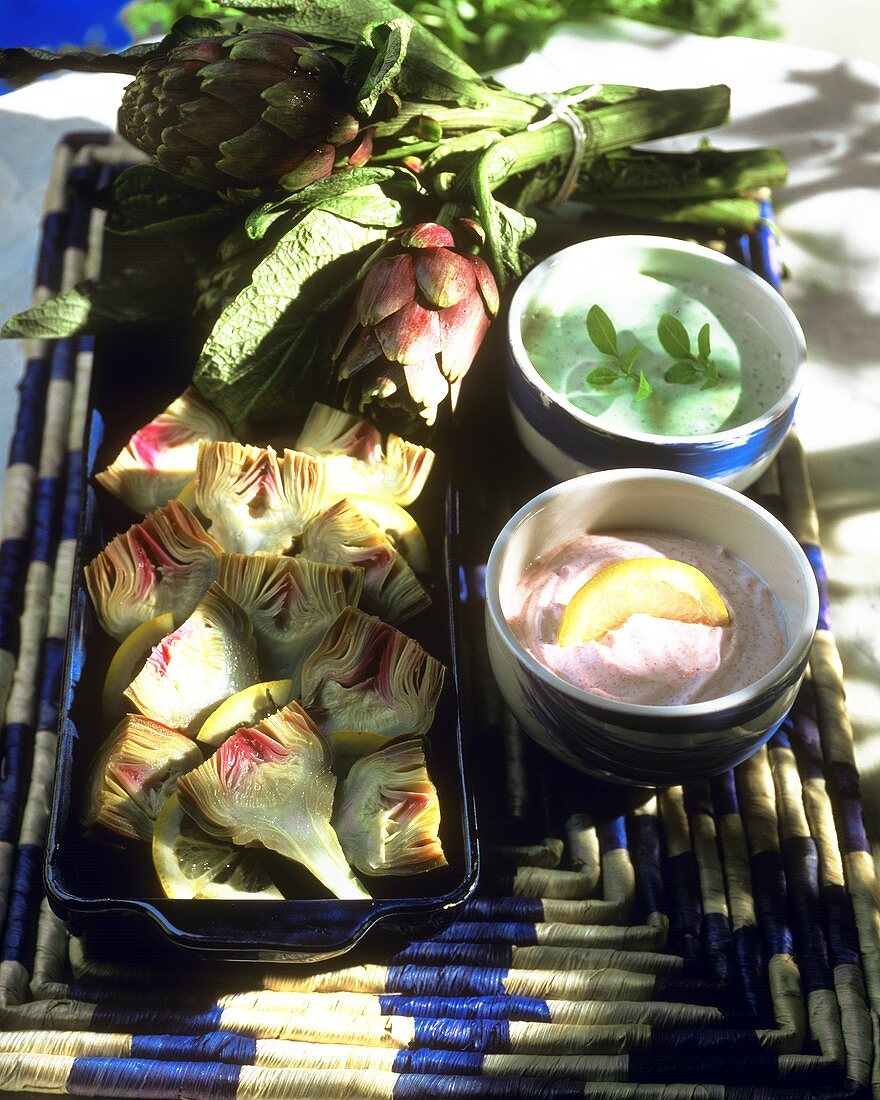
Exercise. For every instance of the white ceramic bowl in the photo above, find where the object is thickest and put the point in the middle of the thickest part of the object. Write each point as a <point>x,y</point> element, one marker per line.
<point>628,742</point>
<point>567,441</point>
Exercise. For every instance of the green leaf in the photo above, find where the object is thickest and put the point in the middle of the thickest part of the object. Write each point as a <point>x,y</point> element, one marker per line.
<point>149,202</point>
<point>645,388</point>
<point>602,376</point>
<point>673,336</point>
<point>270,351</point>
<point>260,220</point>
<point>630,358</point>
<point>681,374</point>
<point>601,330</point>
<point>703,343</point>
<point>376,61</point>
<point>711,375</point>
<point>95,307</point>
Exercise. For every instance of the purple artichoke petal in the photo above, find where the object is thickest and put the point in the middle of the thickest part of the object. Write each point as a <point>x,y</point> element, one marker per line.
<point>444,277</point>
<point>280,50</point>
<point>343,130</point>
<point>425,383</point>
<point>427,235</point>
<point>252,155</point>
<point>486,283</point>
<point>363,151</point>
<point>366,349</point>
<point>315,166</point>
<point>298,109</point>
<point>207,123</point>
<point>236,83</point>
<point>462,328</point>
<point>409,335</point>
<point>203,50</point>
<point>388,287</point>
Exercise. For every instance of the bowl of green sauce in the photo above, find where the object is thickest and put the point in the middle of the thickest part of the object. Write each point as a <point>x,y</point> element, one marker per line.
<point>651,352</point>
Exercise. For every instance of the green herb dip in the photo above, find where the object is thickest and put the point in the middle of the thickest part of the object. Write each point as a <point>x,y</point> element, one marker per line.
<point>554,333</point>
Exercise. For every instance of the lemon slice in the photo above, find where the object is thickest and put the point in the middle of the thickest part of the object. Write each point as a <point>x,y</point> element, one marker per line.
<point>400,527</point>
<point>662,587</point>
<point>191,864</point>
<point>245,708</point>
<point>128,660</point>
<point>355,742</point>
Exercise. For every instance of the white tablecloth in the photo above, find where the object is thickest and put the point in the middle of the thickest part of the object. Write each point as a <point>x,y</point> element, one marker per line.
<point>820,109</point>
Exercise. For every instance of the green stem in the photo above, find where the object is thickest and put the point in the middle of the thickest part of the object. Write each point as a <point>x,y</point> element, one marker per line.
<point>739,215</point>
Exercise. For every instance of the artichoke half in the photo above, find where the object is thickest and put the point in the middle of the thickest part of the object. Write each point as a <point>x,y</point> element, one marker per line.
<point>272,785</point>
<point>290,602</point>
<point>163,564</point>
<point>355,461</point>
<point>367,676</point>
<point>342,535</point>
<point>387,813</point>
<point>257,502</point>
<point>209,657</point>
<point>243,111</point>
<point>160,458</point>
<point>133,773</point>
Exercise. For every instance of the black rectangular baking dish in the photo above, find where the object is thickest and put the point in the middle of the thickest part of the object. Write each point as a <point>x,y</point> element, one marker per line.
<point>101,889</point>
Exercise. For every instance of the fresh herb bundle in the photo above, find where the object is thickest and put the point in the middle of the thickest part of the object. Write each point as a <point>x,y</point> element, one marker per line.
<point>292,141</point>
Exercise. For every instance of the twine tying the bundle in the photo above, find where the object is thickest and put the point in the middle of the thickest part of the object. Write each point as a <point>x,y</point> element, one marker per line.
<point>560,111</point>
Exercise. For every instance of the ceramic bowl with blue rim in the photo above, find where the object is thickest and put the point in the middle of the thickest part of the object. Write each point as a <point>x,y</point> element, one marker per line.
<point>637,743</point>
<point>576,404</point>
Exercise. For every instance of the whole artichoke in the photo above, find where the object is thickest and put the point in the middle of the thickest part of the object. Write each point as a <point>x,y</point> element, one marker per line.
<point>244,110</point>
<point>419,317</point>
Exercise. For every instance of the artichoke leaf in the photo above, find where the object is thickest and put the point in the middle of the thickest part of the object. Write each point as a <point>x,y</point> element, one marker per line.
<point>163,564</point>
<point>160,458</point>
<point>209,657</point>
<point>133,774</point>
<point>271,785</point>
<point>387,814</point>
<point>291,602</point>
<point>355,461</point>
<point>342,535</point>
<point>257,501</point>
<point>367,676</point>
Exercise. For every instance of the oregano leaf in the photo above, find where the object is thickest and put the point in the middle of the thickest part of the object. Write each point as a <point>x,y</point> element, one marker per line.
<point>711,375</point>
<point>673,336</point>
<point>630,358</point>
<point>703,343</point>
<point>681,374</point>
<point>645,388</point>
<point>602,376</point>
<point>601,330</point>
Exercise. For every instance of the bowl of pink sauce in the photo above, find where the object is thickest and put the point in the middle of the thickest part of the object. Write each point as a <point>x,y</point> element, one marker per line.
<point>654,700</point>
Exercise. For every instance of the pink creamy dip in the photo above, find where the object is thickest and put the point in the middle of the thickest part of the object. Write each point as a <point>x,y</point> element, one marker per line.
<point>658,662</point>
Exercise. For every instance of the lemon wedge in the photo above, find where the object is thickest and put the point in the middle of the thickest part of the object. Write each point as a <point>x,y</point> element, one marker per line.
<point>245,708</point>
<point>191,864</point>
<point>355,743</point>
<point>662,587</point>
<point>128,660</point>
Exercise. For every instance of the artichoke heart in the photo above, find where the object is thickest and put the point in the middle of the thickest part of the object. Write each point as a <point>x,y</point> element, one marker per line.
<point>209,657</point>
<point>132,775</point>
<point>257,502</point>
<point>163,564</point>
<point>342,535</point>
<point>272,785</point>
<point>387,814</point>
<point>354,459</point>
<point>369,677</point>
<point>291,602</point>
<point>160,458</point>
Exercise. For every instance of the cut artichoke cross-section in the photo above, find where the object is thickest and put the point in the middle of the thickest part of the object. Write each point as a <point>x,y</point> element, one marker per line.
<point>133,773</point>
<point>388,815</point>
<point>368,677</point>
<point>291,602</point>
<point>160,458</point>
<point>272,785</point>
<point>163,564</point>
<point>356,463</point>
<point>342,535</point>
<point>209,657</point>
<point>257,501</point>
